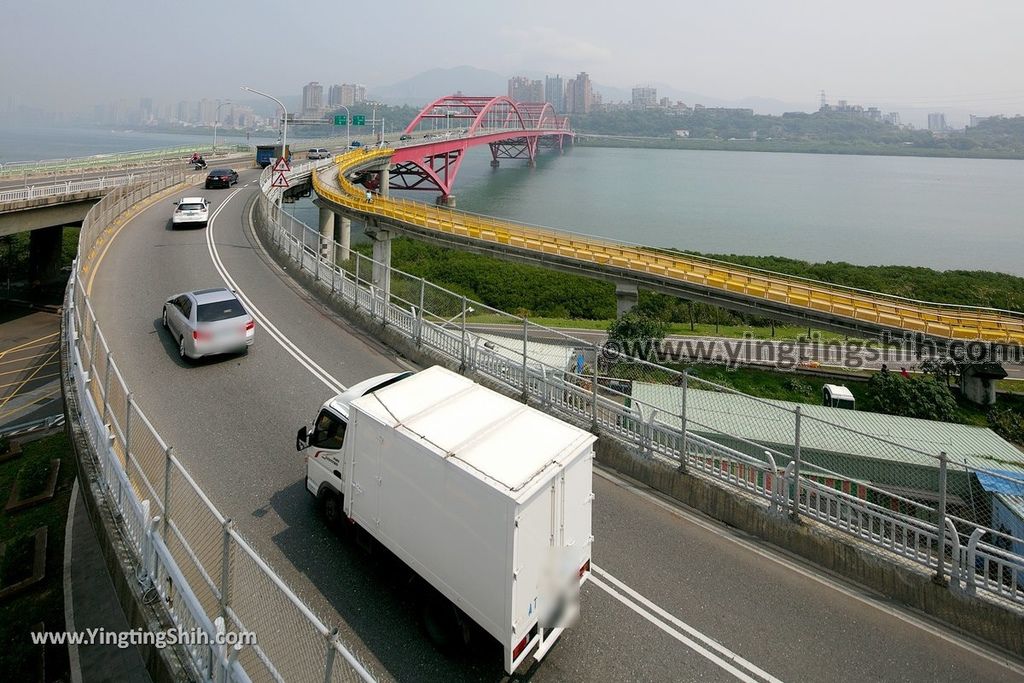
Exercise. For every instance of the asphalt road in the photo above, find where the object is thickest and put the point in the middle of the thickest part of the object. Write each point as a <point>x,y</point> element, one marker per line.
<point>669,583</point>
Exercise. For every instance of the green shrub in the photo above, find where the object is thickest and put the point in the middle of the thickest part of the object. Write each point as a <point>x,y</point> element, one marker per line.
<point>894,394</point>
<point>1007,424</point>
<point>33,477</point>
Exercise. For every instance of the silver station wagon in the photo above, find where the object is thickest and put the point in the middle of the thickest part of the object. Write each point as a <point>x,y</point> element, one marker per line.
<point>207,322</point>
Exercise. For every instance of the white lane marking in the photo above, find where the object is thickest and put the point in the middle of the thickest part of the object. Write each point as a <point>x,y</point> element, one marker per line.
<point>890,609</point>
<point>696,647</point>
<point>683,626</point>
<point>325,377</point>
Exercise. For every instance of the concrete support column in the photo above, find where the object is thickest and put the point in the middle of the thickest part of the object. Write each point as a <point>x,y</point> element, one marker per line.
<point>326,234</point>
<point>44,248</point>
<point>385,181</point>
<point>343,237</point>
<point>626,297</point>
<point>382,262</point>
<point>446,200</point>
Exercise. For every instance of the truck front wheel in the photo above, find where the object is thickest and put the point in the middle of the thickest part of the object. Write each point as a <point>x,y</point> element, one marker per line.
<point>331,508</point>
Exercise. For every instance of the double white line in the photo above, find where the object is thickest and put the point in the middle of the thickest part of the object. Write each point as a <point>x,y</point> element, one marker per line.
<point>277,335</point>
<point>681,631</point>
<point>687,635</point>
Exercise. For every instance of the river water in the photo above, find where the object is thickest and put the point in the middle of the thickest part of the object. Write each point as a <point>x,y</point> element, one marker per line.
<point>940,213</point>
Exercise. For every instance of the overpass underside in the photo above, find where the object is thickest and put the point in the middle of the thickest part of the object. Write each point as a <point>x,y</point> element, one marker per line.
<point>769,295</point>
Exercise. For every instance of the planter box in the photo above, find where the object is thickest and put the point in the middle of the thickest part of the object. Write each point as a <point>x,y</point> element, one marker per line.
<point>14,503</point>
<point>38,566</point>
<point>13,452</point>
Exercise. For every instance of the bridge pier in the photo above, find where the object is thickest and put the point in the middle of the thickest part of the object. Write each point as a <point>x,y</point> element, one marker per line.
<point>978,382</point>
<point>446,200</point>
<point>44,247</point>
<point>626,296</point>
<point>495,163</point>
<point>381,276</point>
<point>327,234</point>
<point>384,180</point>
<point>342,238</point>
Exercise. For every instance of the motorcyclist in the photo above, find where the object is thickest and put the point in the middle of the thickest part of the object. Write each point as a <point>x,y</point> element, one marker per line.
<point>195,157</point>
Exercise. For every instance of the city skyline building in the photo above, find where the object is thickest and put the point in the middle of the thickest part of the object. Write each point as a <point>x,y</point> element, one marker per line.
<point>554,92</point>
<point>312,99</point>
<point>937,122</point>
<point>522,89</point>
<point>579,94</point>
<point>645,96</point>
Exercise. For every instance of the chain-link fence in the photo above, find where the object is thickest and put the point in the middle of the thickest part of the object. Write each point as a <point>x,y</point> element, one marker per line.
<point>882,486</point>
<point>209,580</point>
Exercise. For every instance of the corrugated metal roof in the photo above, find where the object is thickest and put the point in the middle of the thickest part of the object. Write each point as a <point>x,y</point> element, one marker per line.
<point>1008,486</point>
<point>771,422</point>
<point>553,355</point>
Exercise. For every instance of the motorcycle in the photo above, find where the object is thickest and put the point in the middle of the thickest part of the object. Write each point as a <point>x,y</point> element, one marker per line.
<point>199,164</point>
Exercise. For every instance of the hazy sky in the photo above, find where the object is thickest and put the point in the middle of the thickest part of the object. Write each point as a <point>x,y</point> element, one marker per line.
<point>914,53</point>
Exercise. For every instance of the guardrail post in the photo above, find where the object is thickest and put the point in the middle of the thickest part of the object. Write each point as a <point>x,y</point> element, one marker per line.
<point>149,557</point>
<point>355,292</point>
<point>682,423</point>
<point>225,568</point>
<point>795,511</point>
<point>331,654</point>
<point>940,574</point>
<point>167,493</point>
<point>128,437</point>
<point>526,341</point>
<point>593,390</point>
<point>419,312</point>
<point>462,347</point>
<point>106,389</point>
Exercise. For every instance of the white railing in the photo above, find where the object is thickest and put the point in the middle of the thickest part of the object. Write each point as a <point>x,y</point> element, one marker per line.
<point>21,194</point>
<point>188,557</point>
<point>787,482</point>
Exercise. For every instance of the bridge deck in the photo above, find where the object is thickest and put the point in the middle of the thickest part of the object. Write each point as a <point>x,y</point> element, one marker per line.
<point>940,321</point>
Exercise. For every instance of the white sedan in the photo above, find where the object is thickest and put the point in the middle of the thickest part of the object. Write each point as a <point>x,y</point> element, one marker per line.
<point>191,211</point>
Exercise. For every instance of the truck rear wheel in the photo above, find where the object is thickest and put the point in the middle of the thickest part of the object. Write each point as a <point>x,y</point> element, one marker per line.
<point>445,625</point>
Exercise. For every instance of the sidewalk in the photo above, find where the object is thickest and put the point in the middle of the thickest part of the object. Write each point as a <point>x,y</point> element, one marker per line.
<point>94,605</point>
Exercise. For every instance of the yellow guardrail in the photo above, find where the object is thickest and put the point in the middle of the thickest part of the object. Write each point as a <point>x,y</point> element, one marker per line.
<point>935,320</point>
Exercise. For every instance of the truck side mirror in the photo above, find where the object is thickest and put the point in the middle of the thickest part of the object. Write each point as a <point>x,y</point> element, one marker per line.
<point>302,439</point>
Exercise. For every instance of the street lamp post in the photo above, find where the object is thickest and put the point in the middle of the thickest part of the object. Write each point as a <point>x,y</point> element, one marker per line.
<point>348,126</point>
<point>284,131</point>
<point>216,122</point>
<point>284,119</point>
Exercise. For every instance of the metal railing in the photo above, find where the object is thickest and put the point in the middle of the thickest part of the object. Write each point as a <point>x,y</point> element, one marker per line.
<point>69,187</point>
<point>601,255</point>
<point>146,157</point>
<point>189,556</point>
<point>881,505</point>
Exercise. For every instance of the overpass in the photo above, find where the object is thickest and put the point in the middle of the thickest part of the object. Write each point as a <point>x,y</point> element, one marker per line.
<point>194,462</point>
<point>764,293</point>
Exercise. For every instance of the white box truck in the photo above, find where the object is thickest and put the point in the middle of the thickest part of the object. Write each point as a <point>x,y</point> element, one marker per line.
<point>486,499</point>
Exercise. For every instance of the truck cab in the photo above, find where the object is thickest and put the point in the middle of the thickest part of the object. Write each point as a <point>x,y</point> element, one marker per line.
<point>324,440</point>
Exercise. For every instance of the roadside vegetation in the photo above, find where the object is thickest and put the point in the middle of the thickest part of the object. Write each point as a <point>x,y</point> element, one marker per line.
<point>43,602</point>
<point>822,132</point>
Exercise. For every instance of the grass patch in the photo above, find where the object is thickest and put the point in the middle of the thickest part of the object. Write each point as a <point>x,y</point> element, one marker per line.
<point>18,557</point>
<point>45,601</point>
<point>782,332</point>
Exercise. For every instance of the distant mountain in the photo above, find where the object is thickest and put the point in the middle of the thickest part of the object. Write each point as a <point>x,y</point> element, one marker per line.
<point>429,85</point>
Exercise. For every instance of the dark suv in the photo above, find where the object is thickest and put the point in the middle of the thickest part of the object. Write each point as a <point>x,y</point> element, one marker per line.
<point>221,177</point>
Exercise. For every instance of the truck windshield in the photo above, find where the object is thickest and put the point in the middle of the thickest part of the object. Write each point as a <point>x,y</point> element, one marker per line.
<point>329,432</point>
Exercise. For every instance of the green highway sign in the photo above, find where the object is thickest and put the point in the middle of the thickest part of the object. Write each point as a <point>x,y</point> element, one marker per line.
<point>358,120</point>
<point>340,120</point>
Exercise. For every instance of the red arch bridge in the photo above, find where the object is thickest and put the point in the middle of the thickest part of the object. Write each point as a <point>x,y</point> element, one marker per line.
<point>446,128</point>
